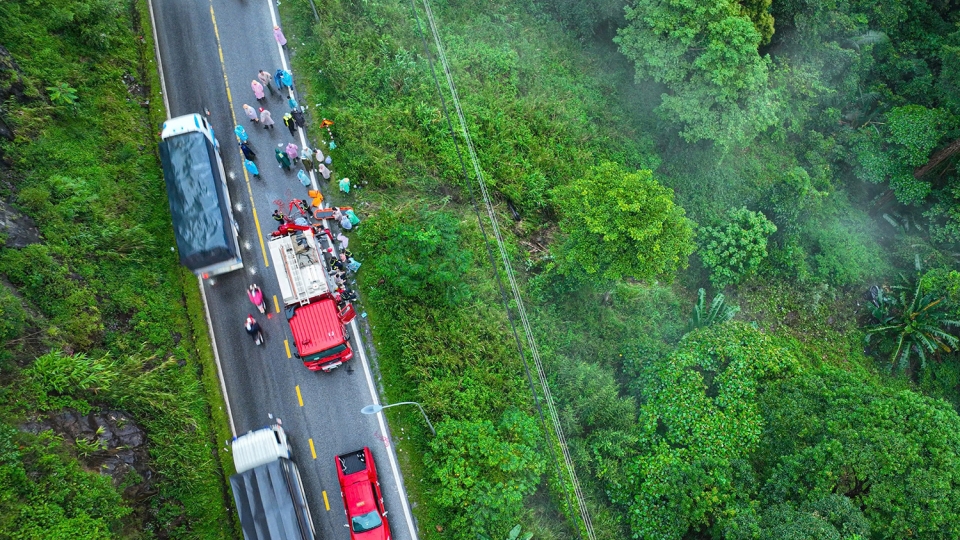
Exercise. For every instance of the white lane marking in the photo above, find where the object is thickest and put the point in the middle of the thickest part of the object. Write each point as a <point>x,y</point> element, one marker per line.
<point>216,357</point>
<point>383,429</point>
<point>156,48</point>
<point>283,63</point>
<point>203,293</point>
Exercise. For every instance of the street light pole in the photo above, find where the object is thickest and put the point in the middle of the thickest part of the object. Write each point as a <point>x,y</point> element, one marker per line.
<point>374,409</point>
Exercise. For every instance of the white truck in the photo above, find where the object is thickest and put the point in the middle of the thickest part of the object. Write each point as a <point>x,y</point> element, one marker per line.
<point>267,488</point>
<point>199,199</point>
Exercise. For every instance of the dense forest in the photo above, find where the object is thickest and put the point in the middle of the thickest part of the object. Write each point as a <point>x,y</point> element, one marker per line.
<point>735,226</point>
<point>795,161</point>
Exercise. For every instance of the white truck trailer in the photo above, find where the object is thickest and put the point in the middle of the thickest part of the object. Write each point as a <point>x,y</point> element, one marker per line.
<point>267,488</point>
<point>200,206</point>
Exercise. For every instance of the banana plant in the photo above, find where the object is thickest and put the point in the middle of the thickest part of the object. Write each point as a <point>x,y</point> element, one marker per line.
<point>717,313</point>
<point>911,325</point>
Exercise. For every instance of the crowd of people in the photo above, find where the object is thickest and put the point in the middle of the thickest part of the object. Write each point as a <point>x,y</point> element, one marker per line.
<point>301,214</point>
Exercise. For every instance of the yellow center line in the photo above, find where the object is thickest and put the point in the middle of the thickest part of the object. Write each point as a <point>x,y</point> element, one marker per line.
<point>299,397</point>
<point>287,345</point>
<point>253,206</point>
<point>276,305</point>
<point>325,501</point>
<point>313,451</point>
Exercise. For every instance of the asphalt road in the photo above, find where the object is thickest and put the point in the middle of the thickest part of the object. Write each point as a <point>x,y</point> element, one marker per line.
<point>263,383</point>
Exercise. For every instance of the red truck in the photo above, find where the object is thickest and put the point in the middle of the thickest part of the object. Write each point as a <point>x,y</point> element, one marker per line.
<point>362,500</point>
<point>316,322</point>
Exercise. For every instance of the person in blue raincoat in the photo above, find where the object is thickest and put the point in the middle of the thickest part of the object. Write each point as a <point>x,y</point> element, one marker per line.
<point>304,179</point>
<point>251,168</point>
<point>286,77</point>
<point>241,133</point>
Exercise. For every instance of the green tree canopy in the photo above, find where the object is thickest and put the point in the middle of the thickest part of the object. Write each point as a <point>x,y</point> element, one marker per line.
<point>735,248</point>
<point>621,224</point>
<point>894,453</point>
<point>485,470</point>
<point>421,253</point>
<point>698,424</point>
<point>739,438</point>
<point>705,53</point>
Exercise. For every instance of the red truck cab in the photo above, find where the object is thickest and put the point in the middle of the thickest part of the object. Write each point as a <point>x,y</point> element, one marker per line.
<point>320,338</point>
<point>362,499</point>
<point>321,341</point>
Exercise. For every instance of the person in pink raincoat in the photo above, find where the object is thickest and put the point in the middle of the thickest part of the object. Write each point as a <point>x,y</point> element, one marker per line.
<point>266,119</point>
<point>324,171</point>
<point>257,89</point>
<point>292,153</point>
<point>278,33</point>
<point>251,113</point>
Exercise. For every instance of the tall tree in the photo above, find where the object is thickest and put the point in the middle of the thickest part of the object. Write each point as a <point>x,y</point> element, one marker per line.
<point>705,53</point>
<point>621,224</point>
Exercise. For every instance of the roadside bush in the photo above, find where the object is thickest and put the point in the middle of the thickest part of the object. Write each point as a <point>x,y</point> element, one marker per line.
<point>486,471</point>
<point>734,250</point>
<point>420,254</point>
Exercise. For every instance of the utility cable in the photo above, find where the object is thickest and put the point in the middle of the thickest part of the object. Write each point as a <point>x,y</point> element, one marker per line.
<point>505,259</point>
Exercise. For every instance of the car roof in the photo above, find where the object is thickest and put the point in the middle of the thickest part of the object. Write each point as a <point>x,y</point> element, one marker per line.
<point>359,497</point>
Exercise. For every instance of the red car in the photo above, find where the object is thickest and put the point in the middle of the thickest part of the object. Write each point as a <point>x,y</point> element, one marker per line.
<point>361,495</point>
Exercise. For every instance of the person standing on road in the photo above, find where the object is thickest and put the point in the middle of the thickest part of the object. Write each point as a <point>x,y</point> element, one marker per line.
<point>304,179</point>
<point>292,152</point>
<point>251,168</point>
<point>289,122</point>
<point>257,90</point>
<point>286,77</point>
<point>278,78</point>
<point>298,117</point>
<point>241,133</point>
<point>281,39</point>
<point>306,157</point>
<point>264,78</point>
<point>266,119</point>
<point>282,159</point>
<point>248,152</point>
<point>251,113</point>
<point>278,217</point>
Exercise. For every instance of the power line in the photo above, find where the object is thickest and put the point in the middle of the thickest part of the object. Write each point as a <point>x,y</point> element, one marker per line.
<point>505,260</point>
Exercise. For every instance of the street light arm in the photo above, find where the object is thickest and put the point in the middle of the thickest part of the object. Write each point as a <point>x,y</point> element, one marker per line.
<point>377,408</point>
